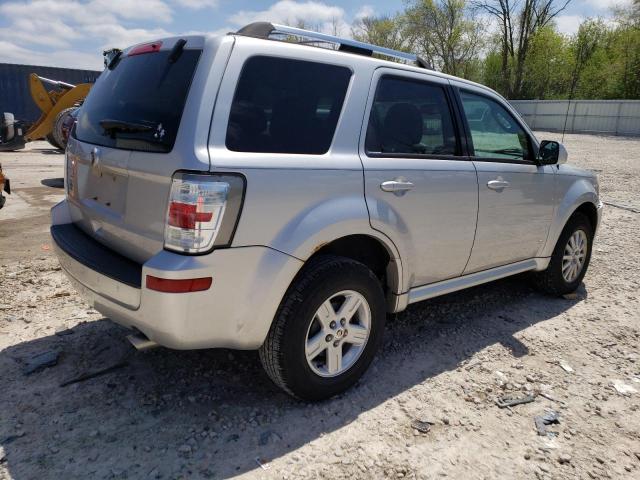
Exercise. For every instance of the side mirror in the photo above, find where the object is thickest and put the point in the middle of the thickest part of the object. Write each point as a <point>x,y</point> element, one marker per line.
<point>552,153</point>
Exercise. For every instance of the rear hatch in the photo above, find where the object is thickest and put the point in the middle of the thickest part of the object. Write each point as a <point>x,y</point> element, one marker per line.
<point>128,141</point>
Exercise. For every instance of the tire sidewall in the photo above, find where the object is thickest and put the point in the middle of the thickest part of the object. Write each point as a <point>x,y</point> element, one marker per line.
<point>300,377</point>
<point>577,222</point>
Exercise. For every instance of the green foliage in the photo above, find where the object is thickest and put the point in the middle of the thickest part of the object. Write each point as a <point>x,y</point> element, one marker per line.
<point>601,61</point>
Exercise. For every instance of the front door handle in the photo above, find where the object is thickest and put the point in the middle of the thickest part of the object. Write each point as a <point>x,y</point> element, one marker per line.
<point>497,184</point>
<point>396,186</point>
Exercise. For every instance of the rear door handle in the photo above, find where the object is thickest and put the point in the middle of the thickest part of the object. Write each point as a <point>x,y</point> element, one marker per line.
<point>497,184</point>
<point>396,186</point>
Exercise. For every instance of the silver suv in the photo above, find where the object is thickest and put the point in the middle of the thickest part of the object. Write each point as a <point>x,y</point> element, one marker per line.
<point>255,191</point>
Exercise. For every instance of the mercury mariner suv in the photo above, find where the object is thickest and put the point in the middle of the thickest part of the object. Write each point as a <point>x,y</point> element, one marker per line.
<point>282,190</point>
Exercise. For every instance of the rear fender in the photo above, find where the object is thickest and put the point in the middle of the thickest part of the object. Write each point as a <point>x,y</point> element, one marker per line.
<point>322,223</point>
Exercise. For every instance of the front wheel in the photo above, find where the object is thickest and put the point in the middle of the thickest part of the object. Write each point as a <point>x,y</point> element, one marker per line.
<point>570,258</point>
<point>327,329</point>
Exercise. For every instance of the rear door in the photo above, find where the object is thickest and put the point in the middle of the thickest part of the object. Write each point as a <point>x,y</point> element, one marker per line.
<point>129,139</point>
<point>516,195</point>
<point>420,190</point>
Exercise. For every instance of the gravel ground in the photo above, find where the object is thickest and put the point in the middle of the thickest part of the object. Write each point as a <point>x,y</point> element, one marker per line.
<point>214,414</point>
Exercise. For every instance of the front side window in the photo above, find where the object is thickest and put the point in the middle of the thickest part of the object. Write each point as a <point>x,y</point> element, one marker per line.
<point>410,117</point>
<point>494,131</point>
<point>286,106</point>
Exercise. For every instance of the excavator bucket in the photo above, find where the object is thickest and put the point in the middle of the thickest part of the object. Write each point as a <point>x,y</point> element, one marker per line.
<point>52,103</point>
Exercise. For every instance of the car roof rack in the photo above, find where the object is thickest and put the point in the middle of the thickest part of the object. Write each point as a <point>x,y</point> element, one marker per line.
<point>266,29</point>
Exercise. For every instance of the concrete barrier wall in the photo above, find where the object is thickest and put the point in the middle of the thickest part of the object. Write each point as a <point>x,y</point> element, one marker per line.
<point>614,117</point>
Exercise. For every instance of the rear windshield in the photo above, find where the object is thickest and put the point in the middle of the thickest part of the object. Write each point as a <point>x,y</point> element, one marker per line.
<point>138,104</point>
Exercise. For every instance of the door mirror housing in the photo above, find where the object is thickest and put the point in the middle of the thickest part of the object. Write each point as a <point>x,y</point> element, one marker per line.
<point>552,153</point>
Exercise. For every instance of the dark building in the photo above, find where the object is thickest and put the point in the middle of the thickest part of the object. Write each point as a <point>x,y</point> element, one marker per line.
<point>15,96</point>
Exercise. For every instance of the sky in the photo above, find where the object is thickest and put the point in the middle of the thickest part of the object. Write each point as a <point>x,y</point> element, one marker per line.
<point>73,33</point>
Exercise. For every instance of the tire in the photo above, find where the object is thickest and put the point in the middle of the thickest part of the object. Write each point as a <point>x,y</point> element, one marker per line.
<point>57,127</point>
<point>50,138</point>
<point>284,352</point>
<point>552,280</point>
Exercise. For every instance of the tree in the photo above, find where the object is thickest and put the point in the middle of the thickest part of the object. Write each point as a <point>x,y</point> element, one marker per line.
<point>444,33</point>
<point>384,31</point>
<point>518,21</point>
<point>548,65</point>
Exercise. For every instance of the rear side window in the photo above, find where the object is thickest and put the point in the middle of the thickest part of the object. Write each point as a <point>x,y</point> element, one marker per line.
<point>410,117</point>
<point>138,104</point>
<point>286,106</point>
<point>494,131</point>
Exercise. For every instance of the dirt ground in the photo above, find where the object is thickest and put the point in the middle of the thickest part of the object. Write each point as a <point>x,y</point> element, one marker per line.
<point>214,414</point>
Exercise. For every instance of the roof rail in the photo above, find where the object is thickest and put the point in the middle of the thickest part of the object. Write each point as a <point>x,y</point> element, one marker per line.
<point>266,29</point>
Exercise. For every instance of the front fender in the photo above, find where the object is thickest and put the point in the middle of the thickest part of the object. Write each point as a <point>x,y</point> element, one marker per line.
<point>575,191</point>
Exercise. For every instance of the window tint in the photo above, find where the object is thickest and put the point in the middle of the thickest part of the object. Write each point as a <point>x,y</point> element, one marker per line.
<point>146,91</point>
<point>410,117</point>
<point>494,131</point>
<point>286,106</point>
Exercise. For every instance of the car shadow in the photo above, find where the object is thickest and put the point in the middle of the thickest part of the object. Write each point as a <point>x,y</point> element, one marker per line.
<point>211,413</point>
<point>53,182</point>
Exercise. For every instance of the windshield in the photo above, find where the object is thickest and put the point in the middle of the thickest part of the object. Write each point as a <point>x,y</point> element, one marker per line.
<point>138,104</point>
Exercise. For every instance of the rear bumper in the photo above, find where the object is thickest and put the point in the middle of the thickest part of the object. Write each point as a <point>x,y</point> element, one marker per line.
<point>236,312</point>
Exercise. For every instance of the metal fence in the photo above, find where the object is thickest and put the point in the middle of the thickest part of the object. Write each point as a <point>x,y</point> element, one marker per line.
<point>614,117</point>
<point>14,86</point>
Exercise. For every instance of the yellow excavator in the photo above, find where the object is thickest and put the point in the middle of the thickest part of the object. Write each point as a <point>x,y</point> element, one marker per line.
<point>55,105</point>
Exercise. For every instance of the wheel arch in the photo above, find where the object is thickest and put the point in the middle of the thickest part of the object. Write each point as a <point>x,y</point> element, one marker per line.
<point>580,197</point>
<point>374,251</point>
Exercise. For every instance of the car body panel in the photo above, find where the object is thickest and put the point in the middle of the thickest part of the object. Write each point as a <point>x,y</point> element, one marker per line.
<point>433,223</point>
<point>296,204</point>
<point>513,223</point>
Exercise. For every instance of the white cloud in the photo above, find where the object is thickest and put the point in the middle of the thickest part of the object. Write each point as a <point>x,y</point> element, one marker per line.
<point>197,4</point>
<point>94,11</point>
<point>318,14</point>
<point>364,12</point>
<point>12,53</point>
<point>46,32</point>
<point>569,24</point>
<point>36,31</point>
<point>607,4</point>
<point>116,36</point>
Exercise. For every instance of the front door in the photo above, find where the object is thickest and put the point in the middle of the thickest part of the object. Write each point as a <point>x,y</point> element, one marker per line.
<point>516,195</point>
<point>419,189</point>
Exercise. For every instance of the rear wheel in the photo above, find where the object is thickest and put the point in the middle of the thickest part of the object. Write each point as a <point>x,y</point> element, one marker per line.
<point>327,329</point>
<point>58,125</point>
<point>570,258</point>
<point>54,143</point>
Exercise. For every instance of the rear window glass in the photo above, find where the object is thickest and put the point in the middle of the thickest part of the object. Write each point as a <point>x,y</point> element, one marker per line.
<point>410,117</point>
<point>286,106</point>
<point>138,104</point>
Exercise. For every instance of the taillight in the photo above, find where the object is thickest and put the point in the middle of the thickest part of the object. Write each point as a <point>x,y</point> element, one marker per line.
<point>202,211</point>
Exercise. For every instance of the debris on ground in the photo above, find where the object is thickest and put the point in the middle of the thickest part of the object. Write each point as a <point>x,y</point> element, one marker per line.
<point>263,463</point>
<point>511,401</point>
<point>131,422</point>
<point>565,366</point>
<point>623,388</point>
<point>41,361</point>
<point>542,421</point>
<point>95,373</point>
<point>552,398</point>
<point>423,426</point>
